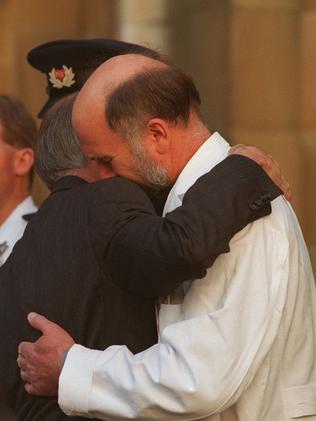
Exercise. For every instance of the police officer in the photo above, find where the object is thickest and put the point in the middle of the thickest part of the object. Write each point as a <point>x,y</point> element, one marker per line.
<point>18,135</point>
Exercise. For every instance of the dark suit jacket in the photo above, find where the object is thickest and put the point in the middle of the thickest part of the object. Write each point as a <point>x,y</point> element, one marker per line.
<point>95,258</point>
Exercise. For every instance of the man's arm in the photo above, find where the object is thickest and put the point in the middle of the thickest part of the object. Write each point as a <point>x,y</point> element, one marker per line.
<point>160,253</point>
<point>202,365</point>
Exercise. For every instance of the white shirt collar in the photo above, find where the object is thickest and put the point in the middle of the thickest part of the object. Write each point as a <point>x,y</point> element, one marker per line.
<point>213,151</point>
<point>12,228</point>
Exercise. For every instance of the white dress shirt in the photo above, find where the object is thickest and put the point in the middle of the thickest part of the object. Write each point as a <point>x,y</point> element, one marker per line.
<point>244,337</point>
<point>13,227</point>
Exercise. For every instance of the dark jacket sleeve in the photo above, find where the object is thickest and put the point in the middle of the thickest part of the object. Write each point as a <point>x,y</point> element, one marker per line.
<point>151,255</point>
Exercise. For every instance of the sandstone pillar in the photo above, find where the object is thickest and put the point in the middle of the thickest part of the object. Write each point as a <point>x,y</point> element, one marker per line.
<point>307,120</point>
<point>264,82</point>
<point>144,22</point>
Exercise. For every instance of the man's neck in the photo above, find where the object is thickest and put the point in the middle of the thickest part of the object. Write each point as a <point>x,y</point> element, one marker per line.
<point>195,135</point>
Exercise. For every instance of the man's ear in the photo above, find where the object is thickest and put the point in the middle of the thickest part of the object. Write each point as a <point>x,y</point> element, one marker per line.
<point>158,134</point>
<point>23,162</point>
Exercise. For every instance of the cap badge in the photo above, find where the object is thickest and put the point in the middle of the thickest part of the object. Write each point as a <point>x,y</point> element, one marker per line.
<point>61,77</point>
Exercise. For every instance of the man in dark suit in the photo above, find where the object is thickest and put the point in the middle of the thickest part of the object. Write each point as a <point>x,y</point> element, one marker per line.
<point>96,257</point>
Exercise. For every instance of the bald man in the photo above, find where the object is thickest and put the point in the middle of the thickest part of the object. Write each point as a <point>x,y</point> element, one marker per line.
<point>96,256</point>
<point>242,337</point>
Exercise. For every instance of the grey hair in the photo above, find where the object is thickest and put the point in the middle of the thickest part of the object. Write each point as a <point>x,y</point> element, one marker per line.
<point>58,150</point>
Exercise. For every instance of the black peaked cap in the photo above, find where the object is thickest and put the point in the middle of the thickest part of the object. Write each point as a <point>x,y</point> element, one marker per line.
<point>69,63</point>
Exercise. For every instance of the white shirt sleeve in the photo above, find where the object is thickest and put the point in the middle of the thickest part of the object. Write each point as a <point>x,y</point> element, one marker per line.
<point>203,363</point>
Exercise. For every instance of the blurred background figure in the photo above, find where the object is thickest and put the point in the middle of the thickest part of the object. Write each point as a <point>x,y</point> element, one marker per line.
<point>18,135</point>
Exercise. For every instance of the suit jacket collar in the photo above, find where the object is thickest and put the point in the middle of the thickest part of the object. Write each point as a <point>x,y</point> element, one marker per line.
<point>68,182</point>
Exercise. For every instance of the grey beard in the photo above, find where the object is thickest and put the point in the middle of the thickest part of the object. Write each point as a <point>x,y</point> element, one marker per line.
<point>153,173</point>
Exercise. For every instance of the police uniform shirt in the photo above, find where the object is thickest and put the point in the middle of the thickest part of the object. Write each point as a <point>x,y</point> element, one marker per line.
<point>13,227</point>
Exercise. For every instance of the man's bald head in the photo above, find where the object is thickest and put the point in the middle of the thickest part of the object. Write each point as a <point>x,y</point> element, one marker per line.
<point>90,105</point>
<point>123,106</point>
<point>126,90</point>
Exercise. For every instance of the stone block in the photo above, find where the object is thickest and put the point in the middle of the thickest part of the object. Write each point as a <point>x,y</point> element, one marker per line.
<point>155,37</point>
<point>286,149</point>
<point>264,49</point>
<point>308,71</point>
<point>199,35</point>
<point>142,10</point>
<point>267,4</point>
<point>308,4</point>
<point>308,157</point>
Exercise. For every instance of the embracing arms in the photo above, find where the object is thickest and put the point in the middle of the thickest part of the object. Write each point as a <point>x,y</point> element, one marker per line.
<point>160,253</point>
